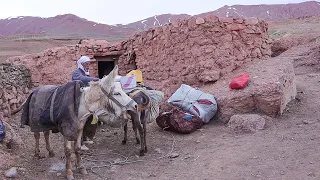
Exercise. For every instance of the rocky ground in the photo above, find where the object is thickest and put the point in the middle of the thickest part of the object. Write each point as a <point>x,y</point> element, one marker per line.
<point>288,147</point>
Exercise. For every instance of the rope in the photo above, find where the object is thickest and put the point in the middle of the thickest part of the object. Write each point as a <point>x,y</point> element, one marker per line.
<point>125,161</point>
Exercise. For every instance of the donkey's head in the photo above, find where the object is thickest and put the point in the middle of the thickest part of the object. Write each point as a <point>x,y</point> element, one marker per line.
<point>117,101</point>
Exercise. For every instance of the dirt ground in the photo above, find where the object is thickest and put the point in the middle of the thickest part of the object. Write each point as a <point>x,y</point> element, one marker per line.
<point>288,148</point>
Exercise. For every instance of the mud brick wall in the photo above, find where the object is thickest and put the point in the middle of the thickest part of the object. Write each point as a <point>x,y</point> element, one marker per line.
<point>15,82</point>
<point>55,66</point>
<point>197,50</point>
<point>194,51</point>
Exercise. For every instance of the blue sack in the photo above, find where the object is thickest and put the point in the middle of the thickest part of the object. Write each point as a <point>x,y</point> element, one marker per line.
<point>2,131</point>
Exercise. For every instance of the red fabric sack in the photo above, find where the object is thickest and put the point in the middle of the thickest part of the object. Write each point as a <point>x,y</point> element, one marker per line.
<point>240,81</point>
<point>175,121</point>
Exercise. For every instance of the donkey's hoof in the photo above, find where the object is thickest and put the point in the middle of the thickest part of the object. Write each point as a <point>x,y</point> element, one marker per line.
<point>83,171</point>
<point>70,177</point>
<point>141,152</point>
<point>51,154</point>
<point>138,141</point>
<point>124,142</point>
<point>146,149</point>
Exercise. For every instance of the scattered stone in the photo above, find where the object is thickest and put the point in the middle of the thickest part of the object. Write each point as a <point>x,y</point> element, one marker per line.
<point>197,141</point>
<point>158,150</point>
<point>152,175</point>
<point>174,155</point>
<point>305,122</point>
<point>312,174</point>
<point>247,122</point>
<point>57,167</point>
<point>59,174</point>
<point>103,130</point>
<point>11,173</point>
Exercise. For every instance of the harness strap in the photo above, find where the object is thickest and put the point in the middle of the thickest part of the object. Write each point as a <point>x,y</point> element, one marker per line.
<point>51,105</point>
<point>134,92</point>
<point>109,95</point>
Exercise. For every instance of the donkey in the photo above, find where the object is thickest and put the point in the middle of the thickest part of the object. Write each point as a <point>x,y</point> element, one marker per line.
<point>137,117</point>
<point>99,99</point>
<point>143,110</point>
<point>147,110</point>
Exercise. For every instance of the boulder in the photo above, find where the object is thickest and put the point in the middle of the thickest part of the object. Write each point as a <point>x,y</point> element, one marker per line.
<point>246,122</point>
<point>270,88</point>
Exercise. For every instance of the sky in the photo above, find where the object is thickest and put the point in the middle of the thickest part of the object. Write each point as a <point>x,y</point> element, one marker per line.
<point>118,11</point>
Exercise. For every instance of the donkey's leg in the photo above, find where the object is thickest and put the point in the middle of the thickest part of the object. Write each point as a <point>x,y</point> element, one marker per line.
<point>125,128</point>
<point>140,129</point>
<point>68,151</point>
<point>138,125</point>
<point>46,136</point>
<point>135,132</point>
<point>144,122</point>
<point>77,148</point>
<point>37,148</point>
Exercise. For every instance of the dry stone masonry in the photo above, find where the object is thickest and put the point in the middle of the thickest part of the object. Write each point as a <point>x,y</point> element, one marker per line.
<point>197,50</point>
<point>15,82</point>
<point>192,51</point>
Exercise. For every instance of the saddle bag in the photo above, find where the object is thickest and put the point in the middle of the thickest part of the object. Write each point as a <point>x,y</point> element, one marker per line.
<point>179,121</point>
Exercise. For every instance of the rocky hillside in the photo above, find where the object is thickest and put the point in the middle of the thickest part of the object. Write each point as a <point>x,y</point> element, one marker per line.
<point>72,26</point>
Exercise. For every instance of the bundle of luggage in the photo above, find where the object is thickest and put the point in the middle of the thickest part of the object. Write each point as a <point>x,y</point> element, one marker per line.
<point>190,109</point>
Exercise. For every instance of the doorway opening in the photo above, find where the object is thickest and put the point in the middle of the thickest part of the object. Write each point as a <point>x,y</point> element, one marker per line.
<point>106,64</point>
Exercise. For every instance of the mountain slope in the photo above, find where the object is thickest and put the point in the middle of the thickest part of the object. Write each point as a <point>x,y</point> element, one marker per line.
<point>61,25</point>
<point>70,25</point>
<point>269,12</point>
<point>156,21</point>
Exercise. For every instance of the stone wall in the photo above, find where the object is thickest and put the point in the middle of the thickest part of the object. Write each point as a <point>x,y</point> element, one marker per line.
<point>55,66</point>
<point>15,82</point>
<point>197,51</point>
<point>193,51</point>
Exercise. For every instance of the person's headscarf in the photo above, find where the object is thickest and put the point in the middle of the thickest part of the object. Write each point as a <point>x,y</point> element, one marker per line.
<point>82,60</point>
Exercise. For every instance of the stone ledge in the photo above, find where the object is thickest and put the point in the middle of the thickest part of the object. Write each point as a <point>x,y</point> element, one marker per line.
<point>271,87</point>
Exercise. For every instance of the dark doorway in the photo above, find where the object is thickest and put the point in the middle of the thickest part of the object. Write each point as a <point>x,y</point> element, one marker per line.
<point>106,64</point>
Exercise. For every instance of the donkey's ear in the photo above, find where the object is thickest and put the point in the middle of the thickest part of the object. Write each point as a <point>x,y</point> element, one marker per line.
<point>114,72</point>
<point>107,81</point>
